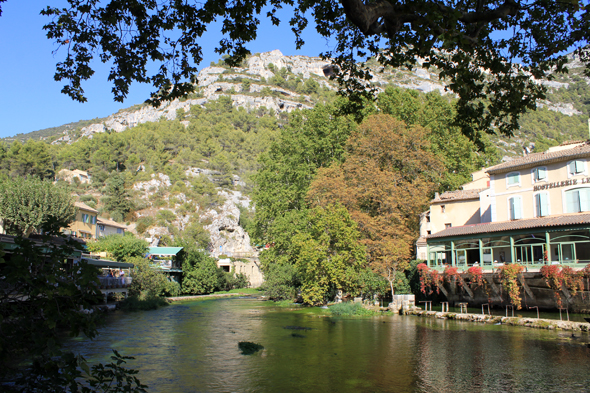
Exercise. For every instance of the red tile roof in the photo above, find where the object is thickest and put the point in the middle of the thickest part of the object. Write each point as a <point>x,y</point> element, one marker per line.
<point>458,195</point>
<point>541,222</point>
<point>535,159</point>
<point>83,206</point>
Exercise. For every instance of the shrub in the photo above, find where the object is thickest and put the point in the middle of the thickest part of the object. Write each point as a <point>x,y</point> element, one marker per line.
<point>349,309</point>
<point>281,282</point>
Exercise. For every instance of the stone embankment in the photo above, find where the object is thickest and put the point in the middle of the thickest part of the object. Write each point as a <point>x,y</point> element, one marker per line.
<point>512,321</point>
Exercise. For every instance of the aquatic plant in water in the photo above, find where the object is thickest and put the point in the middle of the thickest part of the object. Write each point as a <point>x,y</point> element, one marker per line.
<point>248,348</point>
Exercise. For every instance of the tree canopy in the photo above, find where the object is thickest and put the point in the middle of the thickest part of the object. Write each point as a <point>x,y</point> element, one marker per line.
<point>32,206</point>
<point>385,183</point>
<point>486,50</point>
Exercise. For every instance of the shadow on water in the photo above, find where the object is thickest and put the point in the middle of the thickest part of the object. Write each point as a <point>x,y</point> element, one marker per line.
<point>193,347</point>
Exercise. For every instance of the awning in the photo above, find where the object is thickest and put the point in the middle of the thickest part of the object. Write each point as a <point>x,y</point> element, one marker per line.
<point>164,250</point>
<point>106,263</point>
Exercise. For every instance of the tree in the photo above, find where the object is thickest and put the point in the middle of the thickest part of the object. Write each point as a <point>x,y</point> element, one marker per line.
<point>33,206</point>
<point>329,255</point>
<point>29,159</point>
<point>117,198</point>
<point>385,182</point>
<point>120,248</point>
<point>200,274</point>
<point>486,51</point>
<point>40,307</point>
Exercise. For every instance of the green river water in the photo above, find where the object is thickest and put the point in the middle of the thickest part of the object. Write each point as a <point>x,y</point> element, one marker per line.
<point>193,347</point>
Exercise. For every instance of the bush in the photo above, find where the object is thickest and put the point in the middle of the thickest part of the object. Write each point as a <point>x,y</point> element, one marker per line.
<point>147,282</point>
<point>172,288</point>
<point>349,309</point>
<point>201,274</point>
<point>281,282</point>
<point>120,248</point>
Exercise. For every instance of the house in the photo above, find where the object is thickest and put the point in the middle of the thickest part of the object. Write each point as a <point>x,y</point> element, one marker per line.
<point>164,258</point>
<point>533,210</point>
<point>107,227</point>
<point>84,225</point>
<point>69,176</point>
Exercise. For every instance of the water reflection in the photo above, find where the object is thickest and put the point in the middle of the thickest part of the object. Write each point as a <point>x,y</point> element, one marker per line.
<point>193,347</point>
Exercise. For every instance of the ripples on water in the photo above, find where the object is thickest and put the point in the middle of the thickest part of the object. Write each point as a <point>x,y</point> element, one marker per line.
<point>193,347</point>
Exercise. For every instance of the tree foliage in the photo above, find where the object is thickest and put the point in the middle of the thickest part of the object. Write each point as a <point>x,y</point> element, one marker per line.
<point>490,72</point>
<point>387,179</point>
<point>120,248</point>
<point>41,301</point>
<point>32,158</point>
<point>33,206</point>
<point>329,254</point>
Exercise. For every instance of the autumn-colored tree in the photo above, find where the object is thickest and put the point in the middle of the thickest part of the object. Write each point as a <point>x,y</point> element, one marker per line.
<point>385,181</point>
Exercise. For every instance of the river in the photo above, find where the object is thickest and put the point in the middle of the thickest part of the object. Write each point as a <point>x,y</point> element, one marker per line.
<point>193,347</point>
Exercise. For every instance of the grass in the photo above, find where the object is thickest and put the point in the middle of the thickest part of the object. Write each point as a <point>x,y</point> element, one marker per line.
<point>350,309</point>
<point>247,291</point>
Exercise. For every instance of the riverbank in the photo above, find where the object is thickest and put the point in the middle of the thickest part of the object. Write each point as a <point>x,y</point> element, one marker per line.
<point>512,321</point>
<point>209,296</point>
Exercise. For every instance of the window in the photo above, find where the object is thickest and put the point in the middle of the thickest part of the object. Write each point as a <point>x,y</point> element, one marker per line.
<point>576,167</point>
<point>428,232</point>
<point>448,225</point>
<point>539,174</point>
<point>85,218</point>
<point>101,227</point>
<point>513,179</point>
<point>577,200</point>
<point>119,230</point>
<point>93,220</point>
<point>541,204</point>
<point>515,208</point>
<point>442,208</point>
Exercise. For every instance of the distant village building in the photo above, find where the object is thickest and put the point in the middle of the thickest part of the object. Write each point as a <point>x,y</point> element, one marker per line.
<point>84,225</point>
<point>69,176</point>
<point>107,227</point>
<point>533,210</point>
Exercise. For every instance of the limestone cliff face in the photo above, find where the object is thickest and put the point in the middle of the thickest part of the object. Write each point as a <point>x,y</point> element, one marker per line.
<point>227,236</point>
<point>216,81</point>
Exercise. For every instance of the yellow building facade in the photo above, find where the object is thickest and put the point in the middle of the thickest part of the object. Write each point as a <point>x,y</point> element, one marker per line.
<point>535,210</point>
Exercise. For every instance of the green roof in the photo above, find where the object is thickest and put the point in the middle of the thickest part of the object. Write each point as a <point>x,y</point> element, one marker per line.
<point>164,250</point>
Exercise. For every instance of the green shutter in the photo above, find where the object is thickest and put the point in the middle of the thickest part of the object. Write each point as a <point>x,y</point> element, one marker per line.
<point>571,168</point>
<point>579,166</point>
<point>541,173</point>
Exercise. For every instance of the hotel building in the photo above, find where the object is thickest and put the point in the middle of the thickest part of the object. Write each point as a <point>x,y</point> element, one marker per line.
<point>533,210</point>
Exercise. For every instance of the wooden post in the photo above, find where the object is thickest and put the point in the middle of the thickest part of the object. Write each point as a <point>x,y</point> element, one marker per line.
<point>442,288</point>
<point>525,286</point>
<point>467,289</point>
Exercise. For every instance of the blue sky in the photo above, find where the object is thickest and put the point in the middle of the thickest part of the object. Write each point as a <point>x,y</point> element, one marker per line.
<point>31,100</point>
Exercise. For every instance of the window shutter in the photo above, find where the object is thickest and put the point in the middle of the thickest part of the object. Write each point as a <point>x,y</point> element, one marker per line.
<point>517,209</point>
<point>538,204</point>
<point>579,166</point>
<point>542,206</point>
<point>572,201</point>
<point>584,199</point>
<point>541,173</point>
<point>571,168</point>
